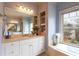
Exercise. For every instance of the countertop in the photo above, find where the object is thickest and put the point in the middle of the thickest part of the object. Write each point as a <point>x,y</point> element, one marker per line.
<point>19,37</point>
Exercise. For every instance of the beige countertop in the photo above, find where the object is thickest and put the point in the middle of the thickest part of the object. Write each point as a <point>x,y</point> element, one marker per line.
<point>18,37</point>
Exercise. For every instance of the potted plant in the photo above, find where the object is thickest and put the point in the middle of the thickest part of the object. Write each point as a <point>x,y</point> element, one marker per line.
<point>35,30</point>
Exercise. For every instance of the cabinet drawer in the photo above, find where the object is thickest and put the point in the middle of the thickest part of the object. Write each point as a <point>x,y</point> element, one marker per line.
<point>26,50</point>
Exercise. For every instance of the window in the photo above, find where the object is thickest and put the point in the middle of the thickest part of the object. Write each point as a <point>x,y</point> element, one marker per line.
<point>72,14</point>
<point>66,15</point>
<point>31,27</point>
<point>71,28</point>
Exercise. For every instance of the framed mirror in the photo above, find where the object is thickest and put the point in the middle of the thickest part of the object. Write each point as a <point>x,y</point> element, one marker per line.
<point>17,22</point>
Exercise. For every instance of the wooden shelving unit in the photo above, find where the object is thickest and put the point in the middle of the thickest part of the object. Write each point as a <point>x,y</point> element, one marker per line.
<point>42,21</point>
<point>35,21</point>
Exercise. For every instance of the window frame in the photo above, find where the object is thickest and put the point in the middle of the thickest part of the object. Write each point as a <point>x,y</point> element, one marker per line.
<point>61,23</point>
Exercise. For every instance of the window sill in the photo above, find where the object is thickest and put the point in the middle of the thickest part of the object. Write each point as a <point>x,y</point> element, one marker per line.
<point>66,49</point>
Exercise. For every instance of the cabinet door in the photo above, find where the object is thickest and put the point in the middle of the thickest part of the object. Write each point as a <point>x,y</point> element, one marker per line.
<point>12,49</point>
<point>25,48</point>
<point>16,48</point>
<point>38,45</point>
<point>8,49</point>
<point>31,50</point>
<point>2,49</point>
<point>35,46</point>
<point>42,43</point>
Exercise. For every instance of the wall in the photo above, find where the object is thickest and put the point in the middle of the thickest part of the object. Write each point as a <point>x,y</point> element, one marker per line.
<point>43,6</point>
<point>51,20</point>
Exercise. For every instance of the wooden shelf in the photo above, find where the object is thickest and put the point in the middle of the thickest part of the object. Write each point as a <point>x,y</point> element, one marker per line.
<point>43,24</point>
<point>35,20</point>
<point>35,25</point>
<point>42,17</point>
<point>42,21</point>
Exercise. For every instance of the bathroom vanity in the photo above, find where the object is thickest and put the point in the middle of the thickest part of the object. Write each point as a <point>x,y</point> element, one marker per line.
<point>23,46</point>
<point>17,38</point>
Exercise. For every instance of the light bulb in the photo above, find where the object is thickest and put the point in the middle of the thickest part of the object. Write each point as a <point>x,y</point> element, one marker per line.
<point>24,9</point>
<point>28,10</point>
<point>20,7</point>
<point>31,11</point>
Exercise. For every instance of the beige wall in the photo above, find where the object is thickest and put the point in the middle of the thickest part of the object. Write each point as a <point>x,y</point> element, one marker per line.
<point>1,4</point>
<point>42,6</point>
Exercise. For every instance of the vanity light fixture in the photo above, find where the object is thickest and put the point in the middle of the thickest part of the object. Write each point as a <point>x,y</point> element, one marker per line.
<point>28,10</point>
<point>20,7</point>
<point>25,10</point>
<point>31,11</point>
<point>13,21</point>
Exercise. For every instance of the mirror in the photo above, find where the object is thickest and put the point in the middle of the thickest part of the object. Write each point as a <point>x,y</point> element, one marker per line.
<point>17,22</point>
<point>14,25</point>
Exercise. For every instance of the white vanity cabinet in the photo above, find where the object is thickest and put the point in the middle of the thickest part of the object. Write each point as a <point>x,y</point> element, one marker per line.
<point>41,44</point>
<point>12,49</point>
<point>25,47</point>
<point>32,46</point>
<point>38,45</point>
<point>35,44</point>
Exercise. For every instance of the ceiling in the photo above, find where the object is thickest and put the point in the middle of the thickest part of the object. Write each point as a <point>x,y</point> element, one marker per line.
<point>15,14</point>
